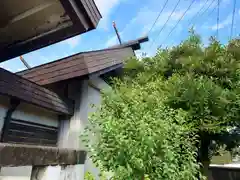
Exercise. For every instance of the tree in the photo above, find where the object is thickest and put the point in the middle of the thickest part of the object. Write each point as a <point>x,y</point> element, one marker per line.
<point>203,81</point>
<point>139,137</point>
<point>187,96</point>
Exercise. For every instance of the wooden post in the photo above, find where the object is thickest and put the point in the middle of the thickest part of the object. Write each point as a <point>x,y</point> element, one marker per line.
<point>116,31</point>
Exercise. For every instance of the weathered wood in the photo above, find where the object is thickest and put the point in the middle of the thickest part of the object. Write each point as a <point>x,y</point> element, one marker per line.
<point>17,87</point>
<point>25,155</point>
<point>70,61</point>
<point>7,120</point>
<point>82,20</point>
<point>25,132</point>
<point>79,63</point>
<point>77,66</point>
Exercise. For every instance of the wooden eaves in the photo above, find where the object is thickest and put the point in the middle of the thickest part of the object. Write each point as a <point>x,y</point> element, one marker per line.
<point>16,87</point>
<point>29,25</point>
<point>82,64</point>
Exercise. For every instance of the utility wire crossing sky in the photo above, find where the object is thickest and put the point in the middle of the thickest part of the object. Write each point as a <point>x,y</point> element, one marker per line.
<point>135,18</point>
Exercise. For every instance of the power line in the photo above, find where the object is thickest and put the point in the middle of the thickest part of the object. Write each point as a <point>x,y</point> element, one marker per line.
<point>218,16</point>
<point>233,17</point>
<point>158,16</point>
<point>190,22</point>
<point>207,8</point>
<point>209,15</point>
<point>211,12</point>
<point>202,8</point>
<point>166,22</point>
<point>197,13</point>
<point>179,20</point>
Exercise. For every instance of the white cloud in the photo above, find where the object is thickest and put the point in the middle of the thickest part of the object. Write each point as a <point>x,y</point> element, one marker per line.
<point>6,67</point>
<point>72,42</point>
<point>144,18</point>
<point>106,7</point>
<point>20,69</point>
<point>12,65</point>
<point>147,15</point>
<point>113,40</point>
<point>222,24</point>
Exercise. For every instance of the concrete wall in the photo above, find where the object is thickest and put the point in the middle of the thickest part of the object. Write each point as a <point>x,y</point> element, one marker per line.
<point>87,94</point>
<point>30,113</point>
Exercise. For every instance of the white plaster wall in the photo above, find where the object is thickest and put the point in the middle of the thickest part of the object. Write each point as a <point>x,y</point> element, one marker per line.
<point>16,173</point>
<point>84,99</point>
<point>70,129</point>
<point>11,173</point>
<point>94,98</point>
<point>4,105</point>
<point>31,113</point>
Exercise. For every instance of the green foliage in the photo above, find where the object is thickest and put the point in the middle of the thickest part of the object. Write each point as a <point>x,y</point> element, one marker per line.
<point>203,81</point>
<point>88,176</point>
<point>138,136</point>
<point>170,112</point>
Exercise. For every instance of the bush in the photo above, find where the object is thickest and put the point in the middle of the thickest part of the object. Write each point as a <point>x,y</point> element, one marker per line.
<point>170,112</point>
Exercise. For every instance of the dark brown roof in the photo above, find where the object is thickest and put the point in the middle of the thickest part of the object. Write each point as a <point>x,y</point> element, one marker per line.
<point>76,66</point>
<point>32,24</point>
<point>134,44</point>
<point>17,87</point>
<point>81,64</point>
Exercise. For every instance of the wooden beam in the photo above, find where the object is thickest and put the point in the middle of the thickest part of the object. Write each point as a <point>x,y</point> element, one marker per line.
<point>75,14</point>
<point>13,105</point>
<point>28,13</point>
<point>17,87</point>
<point>27,155</point>
<point>93,63</point>
<point>81,21</point>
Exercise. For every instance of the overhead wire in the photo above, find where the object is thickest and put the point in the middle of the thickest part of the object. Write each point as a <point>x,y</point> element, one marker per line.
<point>165,22</point>
<point>218,10</point>
<point>233,17</point>
<point>179,20</point>
<point>207,8</point>
<point>159,14</point>
<point>210,13</point>
<point>196,15</point>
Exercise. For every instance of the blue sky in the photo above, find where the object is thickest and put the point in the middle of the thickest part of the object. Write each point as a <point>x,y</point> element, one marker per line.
<point>134,18</point>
